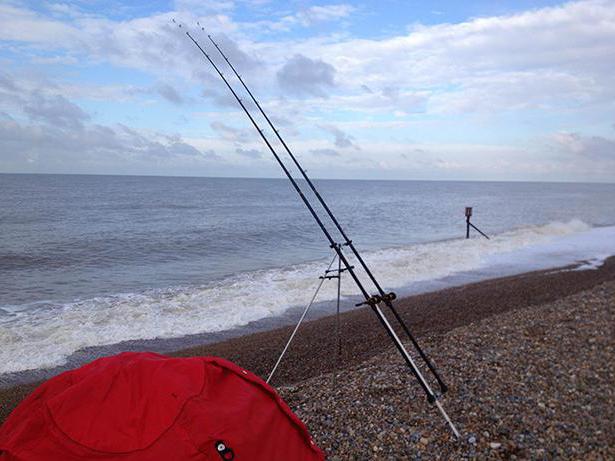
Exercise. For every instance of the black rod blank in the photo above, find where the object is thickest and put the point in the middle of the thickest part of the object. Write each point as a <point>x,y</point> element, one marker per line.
<point>372,301</point>
<point>386,297</point>
<point>369,299</point>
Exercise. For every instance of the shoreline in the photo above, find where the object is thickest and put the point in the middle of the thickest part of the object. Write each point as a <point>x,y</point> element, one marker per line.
<point>179,317</point>
<point>433,314</point>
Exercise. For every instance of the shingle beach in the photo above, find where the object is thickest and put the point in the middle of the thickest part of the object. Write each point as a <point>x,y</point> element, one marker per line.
<point>529,359</point>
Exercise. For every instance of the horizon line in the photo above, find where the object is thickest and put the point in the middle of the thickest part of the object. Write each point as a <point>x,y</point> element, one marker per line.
<point>313,178</point>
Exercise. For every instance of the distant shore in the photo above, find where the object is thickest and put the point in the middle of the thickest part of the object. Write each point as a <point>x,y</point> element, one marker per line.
<point>312,352</point>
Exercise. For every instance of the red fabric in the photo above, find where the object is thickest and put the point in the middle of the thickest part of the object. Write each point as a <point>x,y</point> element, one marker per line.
<point>144,406</point>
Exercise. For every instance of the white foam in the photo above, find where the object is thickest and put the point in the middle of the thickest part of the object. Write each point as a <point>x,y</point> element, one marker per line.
<point>34,336</point>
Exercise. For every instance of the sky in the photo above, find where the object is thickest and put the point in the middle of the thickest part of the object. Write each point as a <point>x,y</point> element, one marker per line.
<point>390,89</point>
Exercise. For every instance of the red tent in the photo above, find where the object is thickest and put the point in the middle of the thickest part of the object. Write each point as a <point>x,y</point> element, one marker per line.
<point>144,406</point>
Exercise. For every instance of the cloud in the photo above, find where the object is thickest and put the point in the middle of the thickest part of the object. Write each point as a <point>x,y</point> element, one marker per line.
<point>22,25</point>
<point>342,140</point>
<point>322,13</point>
<point>250,153</point>
<point>541,58</point>
<point>586,147</point>
<point>90,148</point>
<point>169,93</point>
<point>304,76</point>
<point>50,133</point>
<point>203,7</point>
<point>7,83</point>
<point>306,17</point>
<point>514,76</point>
<point>55,110</point>
<point>230,133</point>
<point>241,60</point>
<point>325,152</point>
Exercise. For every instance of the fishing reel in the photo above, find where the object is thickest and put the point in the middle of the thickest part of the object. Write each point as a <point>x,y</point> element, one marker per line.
<point>372,301</point>
<point>389,297</point>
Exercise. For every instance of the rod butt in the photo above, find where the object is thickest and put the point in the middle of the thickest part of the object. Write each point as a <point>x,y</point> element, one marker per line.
<point>448,420</point>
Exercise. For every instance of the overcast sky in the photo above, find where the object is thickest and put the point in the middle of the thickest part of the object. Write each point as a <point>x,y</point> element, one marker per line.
<point>389,89</point>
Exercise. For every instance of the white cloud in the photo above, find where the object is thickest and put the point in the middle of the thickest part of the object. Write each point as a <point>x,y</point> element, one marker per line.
<point>527,60</point>
<point>169,93</point>
<point>561,48</point>
<point>302,76</point>
<point>342,140</point>
<point>22,25</point>
<point>203,7</point>
<point>91,148</point>
<point>323,13</point>
<point>325,152</point>
<point>55,110</point>
<point>49,133</point>
<point>556,61</point>
<point>305,17</point>
<point>589,148</point>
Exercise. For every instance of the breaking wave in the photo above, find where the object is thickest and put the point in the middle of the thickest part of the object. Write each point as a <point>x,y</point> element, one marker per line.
<point>42,335</point>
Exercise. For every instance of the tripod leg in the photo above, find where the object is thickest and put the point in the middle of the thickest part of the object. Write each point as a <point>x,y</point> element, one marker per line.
<point>338,340</point>
<point>337,321</point>
<point>305,311</point>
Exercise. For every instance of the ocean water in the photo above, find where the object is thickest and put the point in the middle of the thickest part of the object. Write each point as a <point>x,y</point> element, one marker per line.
<point>97,260</point>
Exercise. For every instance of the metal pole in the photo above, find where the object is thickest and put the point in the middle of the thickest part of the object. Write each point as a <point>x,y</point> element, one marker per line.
<point>408,358</point>
<point>337,320</point>
<point>479,231</point>
<point>305,311</point>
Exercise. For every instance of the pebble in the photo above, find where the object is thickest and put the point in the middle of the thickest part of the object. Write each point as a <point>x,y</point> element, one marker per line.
<point>523,385</point>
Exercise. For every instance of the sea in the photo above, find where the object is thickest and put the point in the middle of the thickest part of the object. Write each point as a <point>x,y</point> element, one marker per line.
<point>99,261</point>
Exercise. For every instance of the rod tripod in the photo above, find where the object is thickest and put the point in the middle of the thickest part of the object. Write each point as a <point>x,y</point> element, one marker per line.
<point>328,274</point>
<point>374,301</point>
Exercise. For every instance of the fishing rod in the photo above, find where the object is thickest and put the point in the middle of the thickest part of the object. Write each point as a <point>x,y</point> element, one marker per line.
<point>372,301</point>
<point>387,298</point>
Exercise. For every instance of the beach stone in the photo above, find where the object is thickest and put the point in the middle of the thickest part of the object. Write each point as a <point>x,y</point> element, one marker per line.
<point>378,412</point>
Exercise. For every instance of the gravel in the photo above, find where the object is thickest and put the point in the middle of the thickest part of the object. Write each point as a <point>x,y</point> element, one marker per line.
<point>533,383</point>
